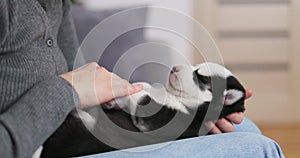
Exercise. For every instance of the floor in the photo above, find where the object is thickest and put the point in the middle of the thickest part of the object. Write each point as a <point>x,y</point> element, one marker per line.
<point>287,136</point>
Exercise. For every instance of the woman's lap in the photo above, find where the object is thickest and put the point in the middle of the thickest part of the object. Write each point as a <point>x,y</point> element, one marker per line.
<point>246,141</point>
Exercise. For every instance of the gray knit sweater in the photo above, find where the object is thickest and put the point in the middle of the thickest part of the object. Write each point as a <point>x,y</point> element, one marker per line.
<point>37,43</point>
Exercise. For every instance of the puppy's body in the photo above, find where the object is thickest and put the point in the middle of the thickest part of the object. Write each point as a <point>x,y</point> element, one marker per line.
<point>191,92</point>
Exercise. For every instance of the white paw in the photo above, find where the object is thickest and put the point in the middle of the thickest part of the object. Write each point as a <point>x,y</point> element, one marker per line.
<point>38,152</point>
<point>140,124</point>
<point>88,120</point>
<point>133,101</point>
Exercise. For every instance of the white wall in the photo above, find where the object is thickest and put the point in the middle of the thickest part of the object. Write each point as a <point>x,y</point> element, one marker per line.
<point>181,5</point>
<point>184,6</point>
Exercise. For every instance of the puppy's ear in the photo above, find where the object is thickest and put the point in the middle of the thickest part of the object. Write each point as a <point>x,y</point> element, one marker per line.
<point>232,95</point>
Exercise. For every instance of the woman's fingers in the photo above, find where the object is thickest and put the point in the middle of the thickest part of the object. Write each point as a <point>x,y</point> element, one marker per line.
<point>213,128</point>
<point>136,88</point>
<point>224,125</point>
<point>249,93</point>
<point>236,118</point>
<point>122,89</point>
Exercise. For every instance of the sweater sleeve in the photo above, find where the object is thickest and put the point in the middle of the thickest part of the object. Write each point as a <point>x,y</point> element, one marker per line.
<point>4,22</point>
<point>67,38</point>
<point>37,112</point>
<point>34,117</point>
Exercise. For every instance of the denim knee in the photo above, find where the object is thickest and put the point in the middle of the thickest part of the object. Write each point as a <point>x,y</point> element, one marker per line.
<point>256,145</point>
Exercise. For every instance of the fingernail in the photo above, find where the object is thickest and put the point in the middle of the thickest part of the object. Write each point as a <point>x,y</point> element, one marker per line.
<point>237,119</point>
<point>139,87</point>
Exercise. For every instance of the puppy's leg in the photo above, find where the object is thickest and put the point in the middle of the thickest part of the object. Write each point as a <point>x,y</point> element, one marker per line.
<point>139,123</point>
<point>38,152</point>
<point>88,120</point>
<point>159,95</point>
<point>131,103</point>
<point>139,99</point>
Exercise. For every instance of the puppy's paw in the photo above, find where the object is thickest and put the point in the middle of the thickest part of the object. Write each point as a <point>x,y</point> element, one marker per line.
<point>38,152</point>
<point>88,120</point>
<point>140,124</point>
<point>133,101</point>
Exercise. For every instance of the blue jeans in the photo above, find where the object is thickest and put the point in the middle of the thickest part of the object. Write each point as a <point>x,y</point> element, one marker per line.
<point>246,141</point>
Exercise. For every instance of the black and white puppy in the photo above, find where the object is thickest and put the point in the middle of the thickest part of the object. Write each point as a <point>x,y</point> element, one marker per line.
<point>191,90</point>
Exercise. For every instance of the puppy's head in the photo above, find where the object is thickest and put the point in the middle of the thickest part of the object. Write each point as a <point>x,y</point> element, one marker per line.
<point>199,85</point>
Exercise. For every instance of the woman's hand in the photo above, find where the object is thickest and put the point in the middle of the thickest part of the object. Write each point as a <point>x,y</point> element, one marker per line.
<point>224,125</point>
<point>95,85</point>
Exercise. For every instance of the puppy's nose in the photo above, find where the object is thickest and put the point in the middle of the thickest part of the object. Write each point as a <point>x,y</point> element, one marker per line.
<point>176,68</point>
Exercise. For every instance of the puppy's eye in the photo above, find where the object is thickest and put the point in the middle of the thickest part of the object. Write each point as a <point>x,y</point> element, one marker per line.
<point>204,82</point>
<point>203,79</point>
